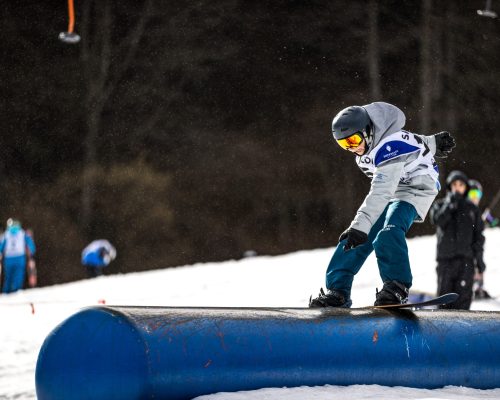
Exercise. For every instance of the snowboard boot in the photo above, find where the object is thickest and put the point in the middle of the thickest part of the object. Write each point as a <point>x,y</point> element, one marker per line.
<point>393,292</point>
<point>332,298</point>
<point>481,294</point>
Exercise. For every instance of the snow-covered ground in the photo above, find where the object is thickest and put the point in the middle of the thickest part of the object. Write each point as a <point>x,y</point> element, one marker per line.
<point>27,317</point>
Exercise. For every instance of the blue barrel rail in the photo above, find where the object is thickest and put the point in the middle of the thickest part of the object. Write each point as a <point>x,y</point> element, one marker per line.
<point>180,353</point>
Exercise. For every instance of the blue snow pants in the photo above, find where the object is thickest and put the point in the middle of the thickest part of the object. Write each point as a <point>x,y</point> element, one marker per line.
<point>388,238</point>
<point>14,273</point>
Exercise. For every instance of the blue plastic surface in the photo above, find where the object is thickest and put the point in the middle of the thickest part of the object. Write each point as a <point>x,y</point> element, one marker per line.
<point>180,353</point>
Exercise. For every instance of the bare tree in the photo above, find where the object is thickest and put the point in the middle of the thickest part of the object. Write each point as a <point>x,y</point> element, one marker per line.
<point>450,67</point>
<point>425,66</point>
<point>374,51</point>
<point>101,76</point>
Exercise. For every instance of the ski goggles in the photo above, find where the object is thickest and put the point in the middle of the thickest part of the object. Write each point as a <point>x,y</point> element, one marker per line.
<point>475,194</point>
<point>352,141</point>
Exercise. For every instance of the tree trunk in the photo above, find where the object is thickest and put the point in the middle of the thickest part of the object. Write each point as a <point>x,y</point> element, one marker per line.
<point>90,164</point>
<point>450,101</point>
<point>425,67</point>
<point>95,63</point>
<point>374,51</point>
<point>100,80</point>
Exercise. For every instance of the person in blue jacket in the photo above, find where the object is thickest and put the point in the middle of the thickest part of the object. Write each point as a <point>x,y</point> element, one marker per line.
<point>17,251</point>
<point>97,255</point>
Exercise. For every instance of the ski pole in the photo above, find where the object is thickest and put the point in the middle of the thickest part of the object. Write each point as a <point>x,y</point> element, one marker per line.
<point>495,200</point>
<point>493,203</point>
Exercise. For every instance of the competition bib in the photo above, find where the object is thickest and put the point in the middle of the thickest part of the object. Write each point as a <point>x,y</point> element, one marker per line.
<point>14,244</point>
<point>400,144</point>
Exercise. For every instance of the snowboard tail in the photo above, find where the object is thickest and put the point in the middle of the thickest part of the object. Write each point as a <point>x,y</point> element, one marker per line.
<point>436,301</point>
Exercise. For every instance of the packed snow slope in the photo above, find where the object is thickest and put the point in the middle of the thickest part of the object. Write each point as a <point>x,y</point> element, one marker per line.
<point>261,281</point>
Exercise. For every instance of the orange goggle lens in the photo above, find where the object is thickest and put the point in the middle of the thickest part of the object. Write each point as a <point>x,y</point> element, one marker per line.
<point>351,142</point>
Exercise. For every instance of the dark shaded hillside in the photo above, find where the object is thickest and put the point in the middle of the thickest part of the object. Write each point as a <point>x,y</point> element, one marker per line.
<point>194,131</point>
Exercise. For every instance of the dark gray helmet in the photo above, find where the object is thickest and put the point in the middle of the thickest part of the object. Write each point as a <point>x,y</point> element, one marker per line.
<point>350,120</point>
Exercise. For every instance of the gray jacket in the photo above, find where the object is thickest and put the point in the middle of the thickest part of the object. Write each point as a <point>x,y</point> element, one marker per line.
<point>401,165</point>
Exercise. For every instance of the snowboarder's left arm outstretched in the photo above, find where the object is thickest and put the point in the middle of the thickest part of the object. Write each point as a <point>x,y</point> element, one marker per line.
<point>440,144</point>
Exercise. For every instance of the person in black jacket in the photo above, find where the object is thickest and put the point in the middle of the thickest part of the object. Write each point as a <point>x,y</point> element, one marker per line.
<point>475,194</point>
<point>459,240</point>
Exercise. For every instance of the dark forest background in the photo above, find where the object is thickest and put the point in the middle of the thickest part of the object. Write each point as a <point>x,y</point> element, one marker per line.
<point>191,131</point>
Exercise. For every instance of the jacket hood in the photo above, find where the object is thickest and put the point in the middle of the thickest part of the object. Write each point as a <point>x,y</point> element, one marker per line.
<point>456,176</point>
<point>386,119</point>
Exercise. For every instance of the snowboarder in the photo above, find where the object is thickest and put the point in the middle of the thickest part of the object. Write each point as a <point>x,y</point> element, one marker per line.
<point>17,251</point>
<point>97,255</point>
<point>459,240</point>
<point>404,183</point>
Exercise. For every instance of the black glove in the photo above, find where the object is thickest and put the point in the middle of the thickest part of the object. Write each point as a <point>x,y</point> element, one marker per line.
<point>455,201</point>
<point>354,238</point>
<point>444,144</point>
